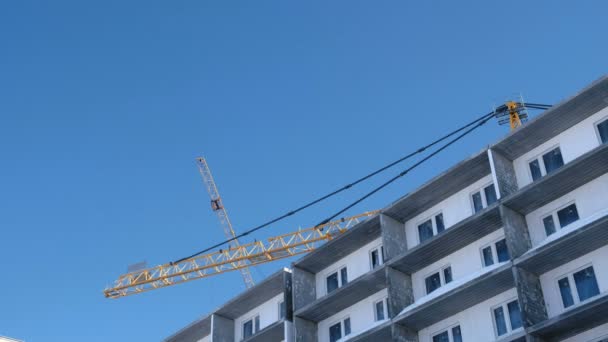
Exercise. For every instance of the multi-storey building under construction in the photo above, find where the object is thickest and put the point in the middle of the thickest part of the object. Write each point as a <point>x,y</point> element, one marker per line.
<point>508,245</point>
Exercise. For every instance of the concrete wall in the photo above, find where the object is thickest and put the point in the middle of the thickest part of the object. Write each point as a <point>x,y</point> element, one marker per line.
<point>205,339</point>
<point>573,142</point>
<point>548,280</point>
<point>463,262</point>
<point>454,208</point>
<point>357,264</point>
<point>476,323</point>
<point>361,317</point>
<point>590,198</point>
<point>590,335</point>
<point>268,311</point>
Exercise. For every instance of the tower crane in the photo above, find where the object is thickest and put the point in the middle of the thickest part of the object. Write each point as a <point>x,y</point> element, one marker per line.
<point>218,207</point>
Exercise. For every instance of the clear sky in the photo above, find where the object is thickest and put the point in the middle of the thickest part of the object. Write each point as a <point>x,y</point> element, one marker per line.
<point>104,106</point>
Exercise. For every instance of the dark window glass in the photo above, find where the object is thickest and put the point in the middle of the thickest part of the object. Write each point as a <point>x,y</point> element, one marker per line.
<point>257,323</point>
<point>602,127</point>
<point>553,160</point>
<point>488,259</point>
<point>502,251</point>
<point>425,230</point>
<point>344,276</point>
<point>535,170</point>
<point>514,315</point>
<point>443,337</point>
<point>501,324</point>
<point>282,310</point>
<point>456,334</point>
<point>477,204</point>
<point>549,225</point>
<point>347,327</point>
<point>335,332</point>
<point>332,282</point>
<point>567,215</point>
<point>490,194</point>
<point>586,284</point>
<point>380,310</point>
<point>432,283</point>
<point>374,257</point>
<point>566,292</point>
<point>447,274</point>
<point>439,223</point>
<point>247,329</point>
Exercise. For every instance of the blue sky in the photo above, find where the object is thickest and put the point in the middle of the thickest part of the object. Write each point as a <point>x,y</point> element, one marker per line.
<point>105,105</point>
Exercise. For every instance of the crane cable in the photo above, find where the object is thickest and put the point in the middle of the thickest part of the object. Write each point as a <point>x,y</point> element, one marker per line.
<point>475,123</point>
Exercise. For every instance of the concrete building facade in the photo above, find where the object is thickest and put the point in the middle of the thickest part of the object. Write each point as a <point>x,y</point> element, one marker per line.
<point>510,244</point>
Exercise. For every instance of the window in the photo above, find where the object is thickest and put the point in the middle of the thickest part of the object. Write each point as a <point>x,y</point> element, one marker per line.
<point>585,283</point>
<point>546,164</point>
<point>381,310</point>
<point>438,279</point>
<point>495,252</point>
<point>338,330</point>
<point>507,317</point>
<point>602,131</point>
<point>282,309</point>
<point>336,279</point>
<point>563,216</point>
<point>450,335</point>
<point>251,326</point>
<point>431,227</point>
<point>483,198</point>
<point>376,257</point>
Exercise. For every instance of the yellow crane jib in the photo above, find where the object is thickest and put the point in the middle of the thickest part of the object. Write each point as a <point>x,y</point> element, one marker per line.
<point>231,259</point>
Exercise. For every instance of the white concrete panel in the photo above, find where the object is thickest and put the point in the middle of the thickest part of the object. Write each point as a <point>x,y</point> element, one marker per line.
<point>357,264</point>
<point>463,262</point>
<point>590,199</point>
<point>361,317</point>
<point>268,311</point>
<point>590,335</point>
<point>476,322</point>
<point>573,143</point>
<point>205,339</point>
<point>454,208</point>
<point>548,280</point>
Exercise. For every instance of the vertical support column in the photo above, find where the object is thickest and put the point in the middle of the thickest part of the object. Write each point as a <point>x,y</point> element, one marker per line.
<point>393,237</point>
<point>222,329</point>
<point>303,292</point>
<point>400,291</point>
<point>503,173</point>
<point>531,299</point>
<point>288,333</point>
<point>516,231</point>
<point>402,334</point>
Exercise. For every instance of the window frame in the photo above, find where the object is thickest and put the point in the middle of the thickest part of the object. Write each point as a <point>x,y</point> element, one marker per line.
<point>505,309</point>
<point>449,330</point>
<point>433,219</point>
<point>482,193</point>
<point>342,330</point>
<point>380,249</point>
<point>338,271</point>
<point>279,304</point>
<point>597,129</point>
<point>541,162</point>
<point>556,221</point>
<point>442,282</point>
<point>253,330</point>
<point>494,251</point>
<point>384,302</point>
<point>574,290</point>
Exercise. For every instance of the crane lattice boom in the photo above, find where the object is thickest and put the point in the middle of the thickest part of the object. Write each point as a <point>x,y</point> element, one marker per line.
<point>235,258</point>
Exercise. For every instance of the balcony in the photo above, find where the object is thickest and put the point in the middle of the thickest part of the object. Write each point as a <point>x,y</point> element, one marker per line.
<point>449,241</point>
<point>273,332</point>
<point>379,332</point>
<point>569,243</point>
<point>574,320</point>
<point>572,175</point>
<point>456,297</point>
<point>344,297</point>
